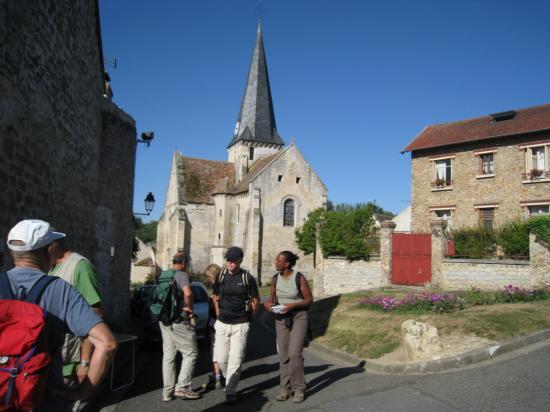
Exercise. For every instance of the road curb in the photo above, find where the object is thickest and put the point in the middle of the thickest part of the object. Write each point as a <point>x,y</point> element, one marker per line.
<point>439,365</point>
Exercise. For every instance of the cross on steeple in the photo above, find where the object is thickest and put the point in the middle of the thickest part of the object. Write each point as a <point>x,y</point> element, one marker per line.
<point>260,9</point>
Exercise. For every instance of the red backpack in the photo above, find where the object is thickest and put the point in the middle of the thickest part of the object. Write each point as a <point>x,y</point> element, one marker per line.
<point>24,362</point>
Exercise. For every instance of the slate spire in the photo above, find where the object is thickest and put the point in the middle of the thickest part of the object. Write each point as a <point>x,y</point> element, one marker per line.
<point>256,121</point>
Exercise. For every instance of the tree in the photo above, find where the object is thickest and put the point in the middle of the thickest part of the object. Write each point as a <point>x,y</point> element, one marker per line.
<point>147,232</point>
<point>348,230</point>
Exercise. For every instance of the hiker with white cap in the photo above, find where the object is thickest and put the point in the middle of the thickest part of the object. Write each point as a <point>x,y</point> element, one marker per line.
<point>30,245</point>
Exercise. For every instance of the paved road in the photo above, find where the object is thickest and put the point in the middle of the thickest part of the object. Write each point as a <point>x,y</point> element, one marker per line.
<point>512,382</point>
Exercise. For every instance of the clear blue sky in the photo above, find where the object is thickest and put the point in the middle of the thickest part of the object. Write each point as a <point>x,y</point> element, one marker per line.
<point>353,81</point>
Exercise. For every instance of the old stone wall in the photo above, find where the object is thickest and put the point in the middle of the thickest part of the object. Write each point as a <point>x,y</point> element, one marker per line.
<point>115,190</point>
<point>66,155</point>
<point>462,274</point>
<point>308,193</point>
<point>506,188</point>
<point>343,276</point>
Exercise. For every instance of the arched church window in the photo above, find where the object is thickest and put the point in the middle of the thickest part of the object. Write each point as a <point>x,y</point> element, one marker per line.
<point>288,218</point>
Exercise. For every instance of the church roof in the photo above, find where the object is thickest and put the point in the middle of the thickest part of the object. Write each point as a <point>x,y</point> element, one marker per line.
<point>200,178</point>
<point>256,121</point>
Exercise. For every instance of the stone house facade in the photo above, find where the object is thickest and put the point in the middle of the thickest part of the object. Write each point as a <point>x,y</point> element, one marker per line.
<point>255,200</point>
<point>67,153</point>
<point>486,170</point>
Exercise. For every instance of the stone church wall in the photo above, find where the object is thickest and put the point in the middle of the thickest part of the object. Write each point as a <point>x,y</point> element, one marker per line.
<point>198,235</point>
<point>308,194</point>
<point>66,155</point>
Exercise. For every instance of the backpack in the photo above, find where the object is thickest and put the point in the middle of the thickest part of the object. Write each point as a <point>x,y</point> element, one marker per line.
<point>167,299</point>
<point>24,362</point>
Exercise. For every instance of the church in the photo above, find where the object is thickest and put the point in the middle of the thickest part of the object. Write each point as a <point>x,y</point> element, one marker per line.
<point>255,200</point>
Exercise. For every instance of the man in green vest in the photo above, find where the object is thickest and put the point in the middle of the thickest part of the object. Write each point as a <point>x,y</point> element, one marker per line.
<point>79,272</point>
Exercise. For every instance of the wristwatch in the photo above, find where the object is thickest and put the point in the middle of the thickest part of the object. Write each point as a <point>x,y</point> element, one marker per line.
<point>84,363</point>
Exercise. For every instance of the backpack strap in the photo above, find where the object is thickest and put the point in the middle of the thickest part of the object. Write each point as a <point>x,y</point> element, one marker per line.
<point>274,288</point>
<point>38,288</point>
<point>5,287</point>
<point>298,278</point>
<point>244,276</point>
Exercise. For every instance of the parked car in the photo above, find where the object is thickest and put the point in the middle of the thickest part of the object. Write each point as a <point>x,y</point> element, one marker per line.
<point>140,297</point>
<point>201,309</point>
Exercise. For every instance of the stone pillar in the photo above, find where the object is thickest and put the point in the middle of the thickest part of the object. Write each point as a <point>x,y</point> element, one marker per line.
<point>539,260</point>
<point>319,266</point>
<point>439,247</point>
<point>387,228</point>
<point>255,249</point>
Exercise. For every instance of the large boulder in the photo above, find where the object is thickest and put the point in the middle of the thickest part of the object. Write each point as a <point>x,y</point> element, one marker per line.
<point>421,340</point>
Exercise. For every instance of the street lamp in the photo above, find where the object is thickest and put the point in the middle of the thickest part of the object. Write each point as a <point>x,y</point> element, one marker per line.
<point>149,203</point>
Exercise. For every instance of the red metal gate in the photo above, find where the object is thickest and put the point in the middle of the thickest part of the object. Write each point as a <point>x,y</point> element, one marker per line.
<point>411,259</point>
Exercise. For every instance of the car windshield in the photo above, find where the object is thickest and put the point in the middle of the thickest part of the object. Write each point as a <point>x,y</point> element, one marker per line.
<point>199,294</point>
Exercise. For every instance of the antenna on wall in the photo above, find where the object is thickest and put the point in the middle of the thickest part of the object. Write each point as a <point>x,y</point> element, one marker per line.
<point>110,62</point>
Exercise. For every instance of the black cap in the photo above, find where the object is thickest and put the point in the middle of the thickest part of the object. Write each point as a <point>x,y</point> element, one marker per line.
<point>234,253</point>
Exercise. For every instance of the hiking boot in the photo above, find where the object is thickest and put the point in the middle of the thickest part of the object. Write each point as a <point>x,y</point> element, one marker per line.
<point>187,394</point>
<point>298,396</point>
<point>210,383</point>
<point>168,398</point>
<point>230,399</point>
<point>282,395</point>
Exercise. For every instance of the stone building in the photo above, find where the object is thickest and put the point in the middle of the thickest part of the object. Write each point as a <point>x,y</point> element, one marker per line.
<point>67,153</point>
<point>255,200</point>
<point>487,170</point>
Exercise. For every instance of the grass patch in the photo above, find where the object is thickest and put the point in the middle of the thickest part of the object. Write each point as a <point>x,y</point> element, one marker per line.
<point>371,334</point>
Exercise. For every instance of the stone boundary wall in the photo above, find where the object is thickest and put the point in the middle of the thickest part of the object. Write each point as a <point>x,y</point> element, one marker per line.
<point>335,275</point>
<point>485,274</point>
<point>343,276</point>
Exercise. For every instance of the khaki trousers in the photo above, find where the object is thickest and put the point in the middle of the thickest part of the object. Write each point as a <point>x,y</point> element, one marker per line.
<point>178,337</point>
<point>229,351</point>
<point>290,343</point>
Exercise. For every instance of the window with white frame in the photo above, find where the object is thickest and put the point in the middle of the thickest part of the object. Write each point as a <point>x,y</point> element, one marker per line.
<point>487,164</point>
<point>443,173</point>
<point>537,162</point>
<point>445,214</point>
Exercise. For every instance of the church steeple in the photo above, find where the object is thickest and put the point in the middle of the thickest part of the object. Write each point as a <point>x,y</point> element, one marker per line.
<point>256,121</point>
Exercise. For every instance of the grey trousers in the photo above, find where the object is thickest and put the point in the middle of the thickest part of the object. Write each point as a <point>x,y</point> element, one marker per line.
<point>179,337</point>
<point>290,343</point>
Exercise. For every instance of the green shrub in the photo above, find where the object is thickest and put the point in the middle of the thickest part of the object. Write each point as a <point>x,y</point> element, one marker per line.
<point>474,243</point>
<point>540,226</point>
<point>513,237</point>
<point>347,230</point>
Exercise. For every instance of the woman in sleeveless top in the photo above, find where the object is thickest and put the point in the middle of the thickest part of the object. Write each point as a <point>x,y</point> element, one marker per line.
<point>290,299</point>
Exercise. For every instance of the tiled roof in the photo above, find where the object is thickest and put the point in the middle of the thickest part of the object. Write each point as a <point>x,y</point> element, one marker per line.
<point>201,176</point>
<point>481,128</point>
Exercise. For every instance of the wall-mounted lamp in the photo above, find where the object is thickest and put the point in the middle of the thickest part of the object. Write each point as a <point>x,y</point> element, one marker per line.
<point>147,138</point>
<point>149,204</point>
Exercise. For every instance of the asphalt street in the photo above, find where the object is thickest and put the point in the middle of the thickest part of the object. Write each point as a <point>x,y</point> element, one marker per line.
<point>511,382</point>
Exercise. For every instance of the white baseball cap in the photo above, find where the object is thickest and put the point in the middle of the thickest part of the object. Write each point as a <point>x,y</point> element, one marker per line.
<point>33,233</point>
